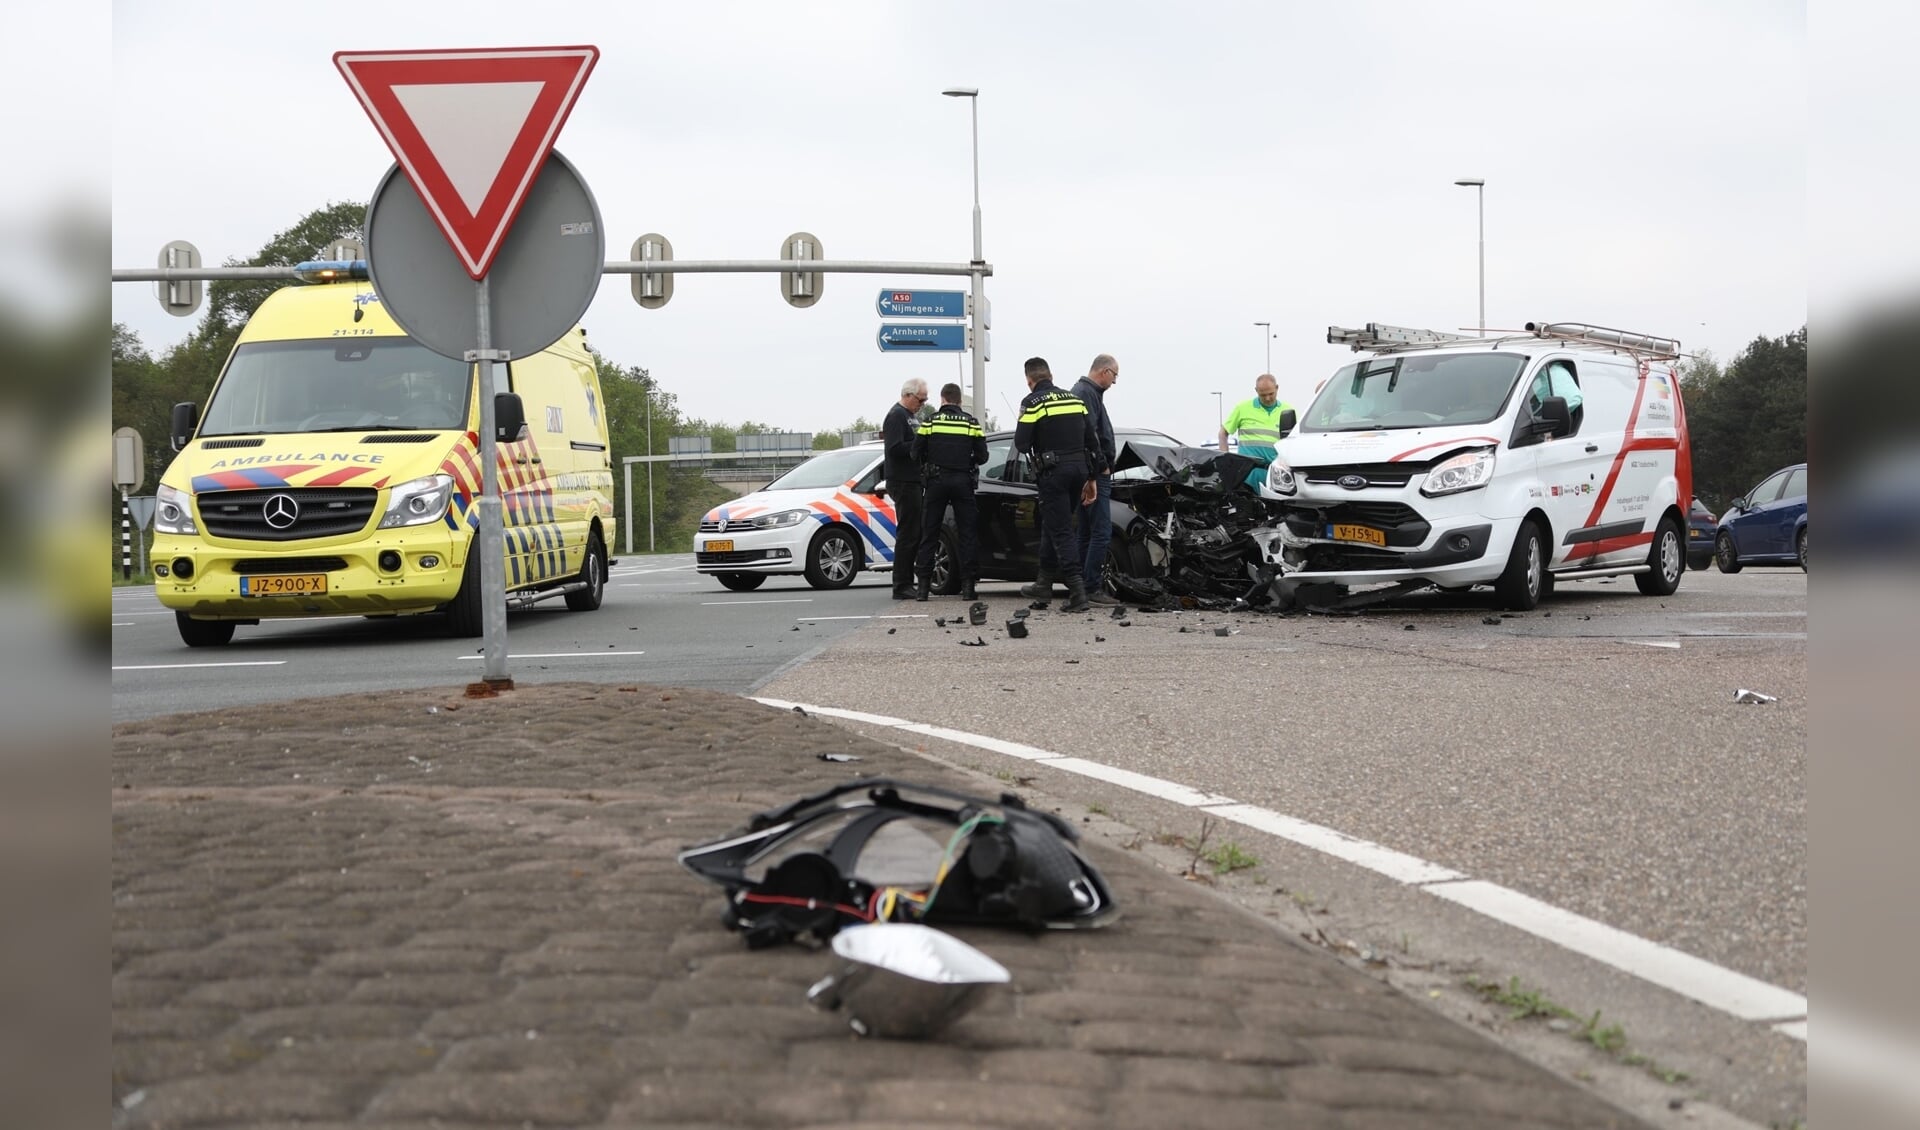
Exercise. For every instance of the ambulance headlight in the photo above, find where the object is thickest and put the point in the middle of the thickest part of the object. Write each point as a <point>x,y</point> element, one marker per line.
<point>418,502</point>
<point>781,520</point>
<point>1465,471</point>
<point>1281,482</point>
<point>172,511</point>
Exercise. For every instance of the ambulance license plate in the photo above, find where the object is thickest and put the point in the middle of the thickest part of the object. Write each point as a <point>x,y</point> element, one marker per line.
<point>720,546</point>
<point>284,584</point>
<point>1366,534</point>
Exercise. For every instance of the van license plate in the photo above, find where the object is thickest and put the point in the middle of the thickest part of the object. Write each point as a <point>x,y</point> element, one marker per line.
<point>285,584</point>
<point>1366,534</point>
<point>720,547</point>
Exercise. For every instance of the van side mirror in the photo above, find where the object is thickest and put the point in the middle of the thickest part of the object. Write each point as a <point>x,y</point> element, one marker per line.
<point>186,417</point>
<point>509,417</point>
<point>1555,419</point>
<point>1288,419</point>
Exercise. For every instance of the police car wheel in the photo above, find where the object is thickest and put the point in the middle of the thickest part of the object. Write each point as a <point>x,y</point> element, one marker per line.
<point>1666,561</point>
<point>594,572</point>
<point>832,558</point>
<point>741,582</point>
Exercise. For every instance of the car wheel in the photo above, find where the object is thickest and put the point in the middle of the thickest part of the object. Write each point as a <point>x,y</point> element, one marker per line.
<point>1699,561</point>
<point>1666,561</point>
<point>1724,555</point>
<point>594,572</point>
<point>1800,549</point>
<point>203,633</point>
<point>944,579</point>
<point>464,620</point>
<point>832,559</point>
<point>1520,586</point>
<point>742,582</point>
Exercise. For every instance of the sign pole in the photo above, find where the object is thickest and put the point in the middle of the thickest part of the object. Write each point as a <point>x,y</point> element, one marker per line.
<point>126,536</point>
<point>493,581</point>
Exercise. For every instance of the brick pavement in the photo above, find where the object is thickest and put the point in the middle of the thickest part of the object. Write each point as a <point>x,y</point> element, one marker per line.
<point>415,909</point>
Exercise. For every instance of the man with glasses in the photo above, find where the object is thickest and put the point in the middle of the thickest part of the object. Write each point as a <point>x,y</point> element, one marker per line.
<point>903,481</point>
<point>1096,518</point>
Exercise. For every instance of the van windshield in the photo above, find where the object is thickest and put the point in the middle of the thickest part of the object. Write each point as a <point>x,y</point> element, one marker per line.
<point>1414,392</point>
<point>831,469</point>
<point>362,384</point>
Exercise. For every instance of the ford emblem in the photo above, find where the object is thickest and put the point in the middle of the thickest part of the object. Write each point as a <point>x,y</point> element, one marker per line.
<point>1352,482</point>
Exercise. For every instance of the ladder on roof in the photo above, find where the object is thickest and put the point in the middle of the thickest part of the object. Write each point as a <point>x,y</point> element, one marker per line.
<point>1378,337</point>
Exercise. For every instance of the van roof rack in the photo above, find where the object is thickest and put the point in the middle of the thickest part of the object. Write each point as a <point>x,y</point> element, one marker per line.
<point>1378,337</point>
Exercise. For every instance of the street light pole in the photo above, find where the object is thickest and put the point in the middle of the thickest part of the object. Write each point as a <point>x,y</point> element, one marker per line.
<point>1266,336</point>
<point>648,389</point>
<point>1479,187</point>
<point>1219,410</point>
<point>972,95</point>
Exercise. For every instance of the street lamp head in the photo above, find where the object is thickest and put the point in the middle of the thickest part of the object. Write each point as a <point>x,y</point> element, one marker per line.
<point>961,92</point>
<point>1470,182</point>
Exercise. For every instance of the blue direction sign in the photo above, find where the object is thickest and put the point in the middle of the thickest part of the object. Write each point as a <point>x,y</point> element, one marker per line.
<point>922,337</point>
<point>922,304</point>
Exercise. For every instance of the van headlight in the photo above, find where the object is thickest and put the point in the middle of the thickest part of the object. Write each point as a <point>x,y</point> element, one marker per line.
<point>778,521</point>
<point>1466,471</point>
<point>172,511</point>
<point>418,502</point>
<point>1281,481</point>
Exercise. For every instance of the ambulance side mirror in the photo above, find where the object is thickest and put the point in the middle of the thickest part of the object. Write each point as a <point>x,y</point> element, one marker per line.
<point>186,417</point>
<point>509,417</point>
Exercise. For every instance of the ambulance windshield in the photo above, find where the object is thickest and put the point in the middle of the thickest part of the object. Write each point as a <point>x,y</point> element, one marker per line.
<point>1427,391</point>
<point>357,384</point>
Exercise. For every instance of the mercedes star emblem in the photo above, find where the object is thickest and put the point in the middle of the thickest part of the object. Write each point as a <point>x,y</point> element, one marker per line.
<point>280,511</point>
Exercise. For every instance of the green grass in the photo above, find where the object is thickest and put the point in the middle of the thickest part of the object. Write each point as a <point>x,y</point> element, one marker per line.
<point>1533,1004</point>
<point>1228,858</point>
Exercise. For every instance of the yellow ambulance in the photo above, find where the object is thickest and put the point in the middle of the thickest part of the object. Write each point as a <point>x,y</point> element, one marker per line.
<point>335,471</point>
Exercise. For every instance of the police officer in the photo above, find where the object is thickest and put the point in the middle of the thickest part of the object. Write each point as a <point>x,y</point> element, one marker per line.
<point>1056,434</point>
<point>903,481</point>
<point>950,447</point>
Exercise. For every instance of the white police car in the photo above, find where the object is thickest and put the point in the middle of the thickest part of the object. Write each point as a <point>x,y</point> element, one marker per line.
<point>826,520</point>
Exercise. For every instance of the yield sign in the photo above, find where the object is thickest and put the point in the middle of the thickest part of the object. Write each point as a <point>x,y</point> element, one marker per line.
<point>470,128</point>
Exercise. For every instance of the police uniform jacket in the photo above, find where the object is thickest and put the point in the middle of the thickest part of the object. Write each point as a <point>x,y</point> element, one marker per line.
<point>1056,425</point>
<point>951,440</point>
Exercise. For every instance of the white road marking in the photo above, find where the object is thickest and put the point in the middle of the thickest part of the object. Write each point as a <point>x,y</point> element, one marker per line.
<point>123,623</point>
<point>562,655</point>
<point>182,666</point>
<point>731,603</point>
<point>644,572</point>
<point>1654,643</point>
<point>893,616</point>
<point>1696,978</point>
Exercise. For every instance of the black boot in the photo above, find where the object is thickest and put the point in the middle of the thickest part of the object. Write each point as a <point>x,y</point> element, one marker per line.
<point>902,583</point>
<point>1041,588</point>
<point>922,587</point>
<point>1076,594</point>
<point>966,590</point>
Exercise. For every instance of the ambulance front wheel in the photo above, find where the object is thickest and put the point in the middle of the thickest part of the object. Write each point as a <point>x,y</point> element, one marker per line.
<point>593,573</point>
<point>464,618</point>
<point>203,633</point>
<point>832,558</point>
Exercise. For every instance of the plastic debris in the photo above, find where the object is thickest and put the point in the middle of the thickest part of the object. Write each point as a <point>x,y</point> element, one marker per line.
<point>1184,628</point>
<point>795,628</point>
<point>1223,631</point>
<point>1126,623</point>
<point>1411,628</point>
<point>838,757</point>
<point>977,613</point>
<point>977,641</point>
<point>1021,613</point>
<point>890,631</point>
<point>1016,629</point>
<point>1745,695</point>
<point>1493,620</point>
<point>801,711</point>
<point>904,981</point>
<point>1099,639</point>
<point>939,621</point>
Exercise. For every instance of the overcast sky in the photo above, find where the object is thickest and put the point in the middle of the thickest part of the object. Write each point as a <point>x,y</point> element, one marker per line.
<point>1154,178</point>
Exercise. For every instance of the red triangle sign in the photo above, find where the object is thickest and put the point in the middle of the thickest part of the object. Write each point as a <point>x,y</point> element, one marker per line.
<point>470,129</point>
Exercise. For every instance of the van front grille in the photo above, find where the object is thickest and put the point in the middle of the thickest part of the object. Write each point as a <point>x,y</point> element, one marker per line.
<point>289,514</point>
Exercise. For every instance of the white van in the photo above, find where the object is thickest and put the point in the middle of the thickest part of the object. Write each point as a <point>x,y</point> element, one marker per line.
<point>1513,461</point>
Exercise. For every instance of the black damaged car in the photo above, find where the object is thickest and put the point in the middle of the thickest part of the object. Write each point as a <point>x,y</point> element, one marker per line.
<point>1180,520</point>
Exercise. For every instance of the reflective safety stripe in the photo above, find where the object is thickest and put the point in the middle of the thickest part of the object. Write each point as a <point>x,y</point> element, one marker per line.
<point>1056,404</point>
<point>950,425</point>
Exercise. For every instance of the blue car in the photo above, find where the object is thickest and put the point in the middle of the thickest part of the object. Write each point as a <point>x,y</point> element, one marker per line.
<point>1701,528</point>
<point>1766,527</point>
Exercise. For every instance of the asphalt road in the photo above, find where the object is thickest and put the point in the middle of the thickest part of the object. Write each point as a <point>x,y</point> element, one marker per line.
<point>1587,754</point>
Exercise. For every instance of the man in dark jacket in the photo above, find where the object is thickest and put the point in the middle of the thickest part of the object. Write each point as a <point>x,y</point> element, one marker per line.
<point>903,482</point>
<point>1096,520</point>
<point>1056,433</point>
<point>950,449</point>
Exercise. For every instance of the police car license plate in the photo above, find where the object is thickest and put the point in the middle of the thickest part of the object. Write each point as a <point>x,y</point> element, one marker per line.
<point>284,584</point>
<point>720,546</point>
<point>1366,534</point>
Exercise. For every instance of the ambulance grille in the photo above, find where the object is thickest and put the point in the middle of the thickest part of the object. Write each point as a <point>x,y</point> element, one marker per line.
<point>219,444</point>
<point>390,437</point>
<point>322,512</point>
<point>256,566</point>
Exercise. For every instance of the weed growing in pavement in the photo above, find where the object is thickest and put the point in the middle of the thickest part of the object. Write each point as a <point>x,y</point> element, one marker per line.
<point>1529,1004</point>
<point>1098,809</point>
<point>1228,858</point>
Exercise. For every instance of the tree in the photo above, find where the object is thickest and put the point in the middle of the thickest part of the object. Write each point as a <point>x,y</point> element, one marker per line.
<point>1747,420</point>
